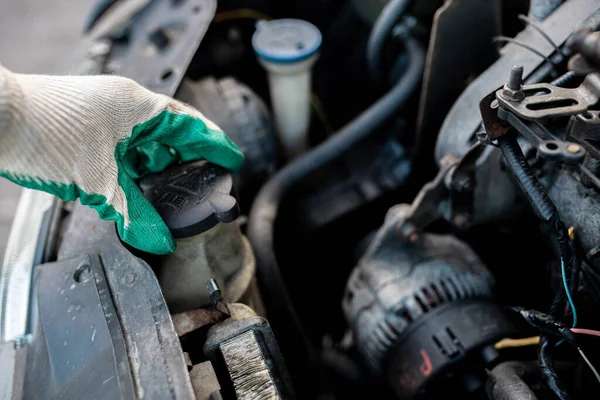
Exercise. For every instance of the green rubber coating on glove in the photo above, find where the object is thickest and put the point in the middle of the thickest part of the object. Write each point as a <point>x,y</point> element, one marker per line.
<point>152,146</point>
<point>70,192</point>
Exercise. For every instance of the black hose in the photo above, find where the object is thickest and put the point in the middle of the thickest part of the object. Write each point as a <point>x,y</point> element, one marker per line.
<point>565,79</point>
<point>380,32</point>
<point>265,207</point>
<point>548,369</point>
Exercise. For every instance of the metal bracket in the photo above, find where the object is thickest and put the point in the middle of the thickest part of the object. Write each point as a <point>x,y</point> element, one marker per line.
<point>553,101</point>
<point>494,127</point>
<point>560,150</point>
<point>161,43</point>
<point>585,129</point>
<point>450,195</point>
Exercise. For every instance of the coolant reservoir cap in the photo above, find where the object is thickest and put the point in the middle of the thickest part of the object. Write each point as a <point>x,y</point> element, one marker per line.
<point>192,198</point>
<point>286,40</point>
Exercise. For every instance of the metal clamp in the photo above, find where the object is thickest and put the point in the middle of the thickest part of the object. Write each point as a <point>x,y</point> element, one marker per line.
<point>553,101</point>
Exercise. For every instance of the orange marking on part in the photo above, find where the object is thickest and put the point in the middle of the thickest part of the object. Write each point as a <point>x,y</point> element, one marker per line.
<point>426,367</point>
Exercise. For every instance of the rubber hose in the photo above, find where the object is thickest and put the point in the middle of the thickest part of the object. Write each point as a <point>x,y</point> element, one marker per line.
<point>266,204</point>
<point>379,33</point>
<point>506,381</point>
<point>548,370</point>
<point>565,79</point>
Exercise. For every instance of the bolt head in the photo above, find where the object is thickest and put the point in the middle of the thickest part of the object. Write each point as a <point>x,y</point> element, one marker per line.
<point>511,94</point>
<point>483,137</point>
<point>573,148</point>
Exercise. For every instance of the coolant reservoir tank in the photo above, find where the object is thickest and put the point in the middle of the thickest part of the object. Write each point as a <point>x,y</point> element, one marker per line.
<point>288,49</point>
<point>196,202</point>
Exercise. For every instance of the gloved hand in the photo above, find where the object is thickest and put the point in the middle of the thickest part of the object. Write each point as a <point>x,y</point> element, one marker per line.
<point>89,137</point>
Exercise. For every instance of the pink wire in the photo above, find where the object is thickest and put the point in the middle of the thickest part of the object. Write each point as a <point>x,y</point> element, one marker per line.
<point>582,331</point>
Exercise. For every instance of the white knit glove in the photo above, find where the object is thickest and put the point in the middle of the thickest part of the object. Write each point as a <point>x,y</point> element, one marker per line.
<point>89,137</point>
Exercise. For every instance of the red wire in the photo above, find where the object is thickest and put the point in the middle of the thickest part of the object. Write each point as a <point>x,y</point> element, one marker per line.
<point>582,331</point>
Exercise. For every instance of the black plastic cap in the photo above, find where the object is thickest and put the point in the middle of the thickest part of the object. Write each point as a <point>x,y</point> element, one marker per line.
<point>192,198</point>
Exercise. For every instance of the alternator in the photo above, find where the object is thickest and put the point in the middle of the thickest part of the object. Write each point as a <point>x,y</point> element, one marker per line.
<point>415,308</point>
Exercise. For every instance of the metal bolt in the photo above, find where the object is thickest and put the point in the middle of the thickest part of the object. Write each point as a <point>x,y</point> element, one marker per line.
<point>512,90</point>
<point>483,137</point>
<point>213,291</point>
<point>515,78</point>
<point>129,278</point>
<point>82,273</point>
<point>573,148</point>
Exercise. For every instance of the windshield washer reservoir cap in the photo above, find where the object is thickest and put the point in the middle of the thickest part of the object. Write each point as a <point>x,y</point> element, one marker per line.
<point>286,40</point>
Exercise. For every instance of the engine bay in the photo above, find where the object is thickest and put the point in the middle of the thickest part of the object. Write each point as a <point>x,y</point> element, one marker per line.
<point>418,214</point>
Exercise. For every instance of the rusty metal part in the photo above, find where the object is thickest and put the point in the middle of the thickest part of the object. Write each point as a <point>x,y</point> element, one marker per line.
<point>494,127</point>
<point>459,51</point>
<point>190,321</point>
<point>554,101</point>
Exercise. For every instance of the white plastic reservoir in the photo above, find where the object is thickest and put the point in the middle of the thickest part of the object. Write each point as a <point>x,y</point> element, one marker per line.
<point>288,48</point>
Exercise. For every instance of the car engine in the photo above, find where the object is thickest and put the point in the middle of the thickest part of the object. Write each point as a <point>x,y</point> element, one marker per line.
<point>418,215</point>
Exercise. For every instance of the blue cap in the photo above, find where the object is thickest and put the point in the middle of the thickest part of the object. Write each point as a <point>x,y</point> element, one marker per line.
<point>286,40</point>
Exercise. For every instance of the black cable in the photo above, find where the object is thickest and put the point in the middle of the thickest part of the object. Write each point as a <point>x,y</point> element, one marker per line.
<point>536,195</point>
<point>548,325</point>
<point>379,33</point>
<point>266,204</point>
<point>547,212</point>
<point>502,39</point>
<point>542,205</point>
<point>575,266</point>
<point>548,369</point>
<point>539,29</point>
<point>550,331</point>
